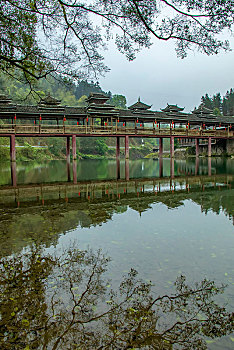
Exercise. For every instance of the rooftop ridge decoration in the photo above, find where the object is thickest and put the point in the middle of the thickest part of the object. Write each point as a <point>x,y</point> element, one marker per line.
<point>172,109</point>
<point>49,103</point>
<point>4,99</point>
<point>97,105</point>
<point>139,106</point>
<point>97,98</point>
<point>5,102</point>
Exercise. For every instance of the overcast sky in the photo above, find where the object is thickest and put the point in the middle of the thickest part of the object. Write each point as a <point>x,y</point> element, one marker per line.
<point>159,77</point>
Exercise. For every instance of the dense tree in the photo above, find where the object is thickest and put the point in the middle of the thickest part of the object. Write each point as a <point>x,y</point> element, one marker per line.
<point>118,101</point>
<point>220,105</point>
<point>85,88</point>
<point>206,100</point>
<point>228,103</point>
<point>41,37</point>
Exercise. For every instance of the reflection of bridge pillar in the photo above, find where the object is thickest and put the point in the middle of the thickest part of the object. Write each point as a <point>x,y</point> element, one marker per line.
<point>197,147</point>
<point>74,170</point>
<point>172,168</point>
<point>127,147</point>
<point>126,169</point>
<point>172,142</point>
<point>12,148</point>
<point>209,146</point>
<point>117,168</point>
<point>197,166</point>
<point>74,147</point>
<point>160,167</point>
<point>117,147</point>
<point>13,174</point>
<point>160,146</point>
<point>68,149</point>
<point>209,166</point>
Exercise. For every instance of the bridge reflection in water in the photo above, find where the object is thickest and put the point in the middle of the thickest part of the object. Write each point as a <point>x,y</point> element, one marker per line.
<point>43,211</point>
<point>187,180</point>
<point>71,169</point>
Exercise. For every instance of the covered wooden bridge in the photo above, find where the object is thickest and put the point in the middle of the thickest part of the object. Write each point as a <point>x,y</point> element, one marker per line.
<point>51,119</point>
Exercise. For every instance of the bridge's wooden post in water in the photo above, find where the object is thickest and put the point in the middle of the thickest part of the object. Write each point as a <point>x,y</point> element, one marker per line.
<point>68,171</point>
<point>68,149</point>
<point>127,169</point>
<point>172,142</point>
<point>209,166</point>
<point>74,171</point>
<point>126,147</point>
<point>12,148</point>
<point>13,174</point>
<point>117,168</point>
<point>117,147</point>
<point>172,168</point>
<point>74,147</point>
<point>197,166</point>
<point>160,167</point>
<point>197,147</point>
<point>209,146</point>
<point>160,146</point>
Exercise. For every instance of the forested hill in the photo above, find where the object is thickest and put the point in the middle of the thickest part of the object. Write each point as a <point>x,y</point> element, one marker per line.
<point>69,93</point>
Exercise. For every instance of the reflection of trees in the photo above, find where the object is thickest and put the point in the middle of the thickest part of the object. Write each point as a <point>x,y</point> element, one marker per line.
<point>43,222</point>
<point>54,302</point>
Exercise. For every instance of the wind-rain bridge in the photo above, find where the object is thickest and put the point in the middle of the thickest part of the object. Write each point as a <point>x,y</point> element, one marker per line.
<point>50,119</point>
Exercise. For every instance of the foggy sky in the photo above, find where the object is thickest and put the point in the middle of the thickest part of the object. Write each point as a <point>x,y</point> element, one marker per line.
<point>159,77</point>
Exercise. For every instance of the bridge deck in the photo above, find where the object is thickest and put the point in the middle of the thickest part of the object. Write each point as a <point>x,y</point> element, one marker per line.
<point>97,130</point>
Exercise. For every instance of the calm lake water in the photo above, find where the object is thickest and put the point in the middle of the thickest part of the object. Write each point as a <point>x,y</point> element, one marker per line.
<point>162,219</point>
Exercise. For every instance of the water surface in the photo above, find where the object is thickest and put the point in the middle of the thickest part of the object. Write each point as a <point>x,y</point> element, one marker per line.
<point>148,217</point>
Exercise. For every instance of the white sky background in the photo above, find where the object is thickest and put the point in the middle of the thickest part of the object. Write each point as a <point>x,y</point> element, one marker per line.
<point>159,77</point>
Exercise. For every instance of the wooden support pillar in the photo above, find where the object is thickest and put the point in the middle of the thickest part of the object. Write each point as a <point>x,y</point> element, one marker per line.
<point>197,147</point>
<point>117,147</point>
<point>117,168</point>
<point>13,174</point>
<point>209,166</point>
<point>74,147</point>
<point>209,146</point>
<point>172,168</point>
<point>68,149</point>
<point>197,166</point>
<point>160,167</point>
<point>126,147</point>
<point>172,150</point>
<point>127,169</point>
<point>74,171</point>
<point>12,148</point>
<point>68,171</point>
<point>160,146</point>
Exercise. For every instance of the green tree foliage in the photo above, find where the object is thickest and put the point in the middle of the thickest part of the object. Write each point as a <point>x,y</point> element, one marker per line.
<point>65,302</point>
<point>93,145</point>
<point>69,93</point>
<point>85,88</point>
<point>118,101</point>
<point>228,103</point>
<point>41,37</point>
<point>82,101</point>
<point>220,105</point>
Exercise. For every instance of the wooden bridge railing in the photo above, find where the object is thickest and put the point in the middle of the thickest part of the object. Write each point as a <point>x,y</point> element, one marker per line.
<point>98,130</point>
